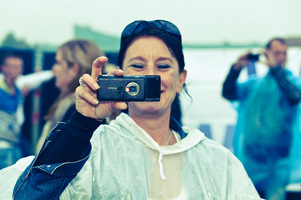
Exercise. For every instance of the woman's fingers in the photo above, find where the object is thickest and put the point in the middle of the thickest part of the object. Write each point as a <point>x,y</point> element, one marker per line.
<point>88,81</point>
<point>87,95</point>
<point>97,66</point>
<point>116,72</point>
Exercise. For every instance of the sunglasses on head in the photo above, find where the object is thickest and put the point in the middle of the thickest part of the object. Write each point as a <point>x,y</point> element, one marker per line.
<point>139,26</point>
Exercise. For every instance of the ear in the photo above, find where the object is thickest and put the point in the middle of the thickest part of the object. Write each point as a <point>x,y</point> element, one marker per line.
<point>181,81</point>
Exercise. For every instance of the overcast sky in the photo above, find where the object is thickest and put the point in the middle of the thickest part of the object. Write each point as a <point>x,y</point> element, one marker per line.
<point>200,21</point>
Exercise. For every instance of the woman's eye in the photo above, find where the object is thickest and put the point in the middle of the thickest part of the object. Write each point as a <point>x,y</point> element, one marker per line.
<point>137,66</point>
<point>163,66</point>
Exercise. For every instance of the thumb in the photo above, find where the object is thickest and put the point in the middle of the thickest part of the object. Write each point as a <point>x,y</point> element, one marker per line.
<point>120,105</point>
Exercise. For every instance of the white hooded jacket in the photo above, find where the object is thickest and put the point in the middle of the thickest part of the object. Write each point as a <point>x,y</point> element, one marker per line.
<point>126,163</point>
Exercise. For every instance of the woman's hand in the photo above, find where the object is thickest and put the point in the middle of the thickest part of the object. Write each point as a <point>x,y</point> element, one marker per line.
<point>86,99</point>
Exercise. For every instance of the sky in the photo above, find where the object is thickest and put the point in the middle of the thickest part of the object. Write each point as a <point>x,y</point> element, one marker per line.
<point>200,21</point>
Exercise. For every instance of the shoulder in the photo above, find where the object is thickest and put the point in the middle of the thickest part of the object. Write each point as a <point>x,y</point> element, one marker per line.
<point>202,142</point>
<point>214,148</point>
<point>213,152</point>
<point>287,71</point>
<point>113,129</point>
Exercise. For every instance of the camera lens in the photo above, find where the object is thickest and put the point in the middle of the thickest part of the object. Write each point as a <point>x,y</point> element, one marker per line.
<point>132,88</point>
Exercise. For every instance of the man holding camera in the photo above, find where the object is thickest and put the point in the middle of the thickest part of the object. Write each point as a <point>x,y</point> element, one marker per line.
<point>267,109</point>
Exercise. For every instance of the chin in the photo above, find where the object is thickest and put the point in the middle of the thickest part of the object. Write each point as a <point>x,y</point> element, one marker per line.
<point>148,106</point>
<point>152,105</point>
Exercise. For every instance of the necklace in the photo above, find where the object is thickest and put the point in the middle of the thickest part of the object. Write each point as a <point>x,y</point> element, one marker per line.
<point>168,139</point>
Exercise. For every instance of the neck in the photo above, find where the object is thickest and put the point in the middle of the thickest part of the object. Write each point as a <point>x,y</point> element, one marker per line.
<point>10,83</point>
<point>157,127</point>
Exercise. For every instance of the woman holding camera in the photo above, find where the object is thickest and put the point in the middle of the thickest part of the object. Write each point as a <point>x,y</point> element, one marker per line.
<point>144,154</point>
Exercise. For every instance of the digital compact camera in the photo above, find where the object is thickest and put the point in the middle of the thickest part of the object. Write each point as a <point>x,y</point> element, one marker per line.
<point>129,88</point>
<point>253,57</point>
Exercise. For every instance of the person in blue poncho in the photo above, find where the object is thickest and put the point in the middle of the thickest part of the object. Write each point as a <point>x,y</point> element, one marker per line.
<point>267,110</point>
<point>11,98</point>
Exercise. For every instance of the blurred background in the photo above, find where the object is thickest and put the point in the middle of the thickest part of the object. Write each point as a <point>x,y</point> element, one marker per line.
<point>214,34</point>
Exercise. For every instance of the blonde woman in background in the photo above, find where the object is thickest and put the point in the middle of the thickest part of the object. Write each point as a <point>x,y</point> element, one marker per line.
<point>73,59</point>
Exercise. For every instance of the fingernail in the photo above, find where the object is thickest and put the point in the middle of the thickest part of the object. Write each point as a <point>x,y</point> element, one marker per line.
<point>96,102</point>
<point>103,58</point>
<point>99,61</point>
<point>95,86</point>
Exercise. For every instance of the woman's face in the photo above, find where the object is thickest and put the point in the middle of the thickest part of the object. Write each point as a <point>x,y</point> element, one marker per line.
<point>63,74</point>
<point>150,56</point>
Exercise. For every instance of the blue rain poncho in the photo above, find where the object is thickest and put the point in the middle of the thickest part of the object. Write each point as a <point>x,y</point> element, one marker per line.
<point>295,155</point>
<point>266,125</point>
<point>126,163</point>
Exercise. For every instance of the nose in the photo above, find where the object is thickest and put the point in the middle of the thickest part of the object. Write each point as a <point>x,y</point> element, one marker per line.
<point>284,57</point>
<point>151,70</point>
<point>53,68</point>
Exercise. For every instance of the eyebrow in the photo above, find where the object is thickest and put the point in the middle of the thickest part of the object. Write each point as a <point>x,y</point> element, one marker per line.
<point>159,59</point>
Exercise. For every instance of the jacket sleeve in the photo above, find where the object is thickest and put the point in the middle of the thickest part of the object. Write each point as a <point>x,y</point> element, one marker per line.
<point>69,113</point>
<point>229,86</point>
<point>65,151</point>
<point>290,89</point>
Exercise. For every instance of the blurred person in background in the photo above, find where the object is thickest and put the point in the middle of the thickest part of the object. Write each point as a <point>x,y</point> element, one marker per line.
<point>73,59</point>
<point>10,101</point>
<point>266,116</point>
<point>24,83</point>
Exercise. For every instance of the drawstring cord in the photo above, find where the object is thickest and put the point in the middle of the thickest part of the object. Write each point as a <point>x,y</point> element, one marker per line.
<point>161,166</point>
<point>161,155</point>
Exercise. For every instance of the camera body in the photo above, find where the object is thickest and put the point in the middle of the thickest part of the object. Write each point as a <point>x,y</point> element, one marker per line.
<point>253,57</point>
<point>129,88</point>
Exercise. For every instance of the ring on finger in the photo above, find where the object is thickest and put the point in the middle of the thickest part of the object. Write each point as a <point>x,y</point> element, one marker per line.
<point>90,92</point>
<point>81,82</point>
